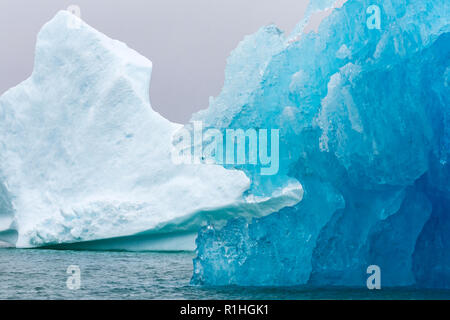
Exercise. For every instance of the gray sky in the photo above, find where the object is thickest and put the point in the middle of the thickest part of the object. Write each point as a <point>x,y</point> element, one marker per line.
<point>188,41</point>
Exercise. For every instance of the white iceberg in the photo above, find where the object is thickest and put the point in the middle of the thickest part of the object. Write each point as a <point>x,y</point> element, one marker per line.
<point>85,160</point>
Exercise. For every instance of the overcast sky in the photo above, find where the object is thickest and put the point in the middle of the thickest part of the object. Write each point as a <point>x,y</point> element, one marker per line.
<point>188,41</point>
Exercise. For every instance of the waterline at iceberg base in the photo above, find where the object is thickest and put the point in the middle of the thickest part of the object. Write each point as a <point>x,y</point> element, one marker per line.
<point>363,116</point>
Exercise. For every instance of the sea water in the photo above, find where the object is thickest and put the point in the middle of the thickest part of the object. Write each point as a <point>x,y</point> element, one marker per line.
<point>42,274</point>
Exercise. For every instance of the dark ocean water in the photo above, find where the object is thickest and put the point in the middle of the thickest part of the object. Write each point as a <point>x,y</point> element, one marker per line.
<point>42,274</point>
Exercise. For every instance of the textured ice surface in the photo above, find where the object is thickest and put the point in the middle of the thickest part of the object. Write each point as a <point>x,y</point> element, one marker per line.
<point>84,157</point>
<point>364,127</point>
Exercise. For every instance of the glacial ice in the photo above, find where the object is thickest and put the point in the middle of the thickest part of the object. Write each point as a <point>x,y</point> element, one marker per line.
<point>86,163</point>
<point>364,118</point>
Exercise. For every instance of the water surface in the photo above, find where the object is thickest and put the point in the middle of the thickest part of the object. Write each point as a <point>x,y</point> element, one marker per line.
<point>41,274</point>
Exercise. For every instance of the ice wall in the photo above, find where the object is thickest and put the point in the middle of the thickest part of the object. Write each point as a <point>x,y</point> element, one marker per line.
<point>364,123</point>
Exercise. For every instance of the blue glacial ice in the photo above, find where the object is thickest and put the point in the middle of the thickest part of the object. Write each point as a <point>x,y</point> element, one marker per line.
<point>85,162</point>
<point>364,118</point>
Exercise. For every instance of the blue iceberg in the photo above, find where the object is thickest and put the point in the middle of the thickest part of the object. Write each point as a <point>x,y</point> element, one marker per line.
<point>364,119</point>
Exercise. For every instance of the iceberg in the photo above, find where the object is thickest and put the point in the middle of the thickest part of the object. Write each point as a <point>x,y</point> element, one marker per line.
<point>85,162</point>
<point>364,127</point>
<point>363,115</point>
